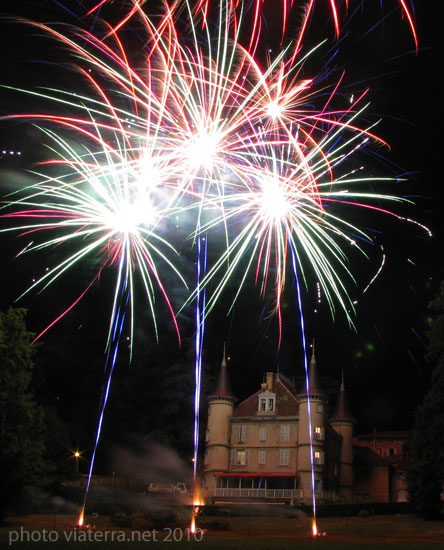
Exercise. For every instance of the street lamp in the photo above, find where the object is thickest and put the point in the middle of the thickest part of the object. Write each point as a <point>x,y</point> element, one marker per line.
<point>77,455</point>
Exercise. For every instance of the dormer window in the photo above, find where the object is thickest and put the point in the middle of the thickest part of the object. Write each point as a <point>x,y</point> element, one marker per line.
<point>267,402</point>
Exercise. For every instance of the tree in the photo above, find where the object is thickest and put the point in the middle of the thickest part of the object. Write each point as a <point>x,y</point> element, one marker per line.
<point>21,418</point>
<point>425,447</point>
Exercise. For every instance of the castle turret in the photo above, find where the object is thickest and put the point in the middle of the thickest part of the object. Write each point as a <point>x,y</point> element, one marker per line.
<point>312,406</point>
<point>342,422</point>
<point>220,410</point>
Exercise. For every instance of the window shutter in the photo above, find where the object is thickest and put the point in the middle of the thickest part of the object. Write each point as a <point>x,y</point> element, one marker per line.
<point>283,457</point>
<point>242,432</point>
<point>233,457</point>
<point>285,433</point>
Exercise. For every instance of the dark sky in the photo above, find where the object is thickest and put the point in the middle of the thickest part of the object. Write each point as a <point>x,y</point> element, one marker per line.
<point>383,360</point>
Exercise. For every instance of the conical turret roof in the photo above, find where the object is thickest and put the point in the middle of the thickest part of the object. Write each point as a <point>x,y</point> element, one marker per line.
<point>223,385</point>
<point>342,410</point>
<point>314,384</point>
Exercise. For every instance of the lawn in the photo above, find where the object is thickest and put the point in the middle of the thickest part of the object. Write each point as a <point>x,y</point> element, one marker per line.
<point>239,533</point>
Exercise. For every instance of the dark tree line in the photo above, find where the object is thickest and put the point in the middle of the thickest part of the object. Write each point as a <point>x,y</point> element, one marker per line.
<point>425,448</point>
<point>49,405</point>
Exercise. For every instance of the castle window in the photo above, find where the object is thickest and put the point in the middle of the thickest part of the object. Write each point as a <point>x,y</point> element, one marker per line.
<point>208,437</point>
<point>285,433</point>
<point>262,434</point>
<point>319,433</point>
<point>261,459</point>
<point>318,457</point>
<point>320,408</point>
<point>241,433</point>
<point>240,457</point>
<point>284,455</point>
<point>266,402</point>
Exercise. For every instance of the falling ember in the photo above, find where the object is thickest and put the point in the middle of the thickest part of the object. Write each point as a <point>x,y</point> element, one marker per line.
<point>80,520</point>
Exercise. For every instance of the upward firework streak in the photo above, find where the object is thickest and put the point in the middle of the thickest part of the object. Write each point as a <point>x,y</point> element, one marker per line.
<point>201,127</point>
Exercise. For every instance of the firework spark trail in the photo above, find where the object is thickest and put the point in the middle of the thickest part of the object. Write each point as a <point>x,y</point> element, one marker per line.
<point>200,330</point>
<point>110,364</point>
<point>307,388</point>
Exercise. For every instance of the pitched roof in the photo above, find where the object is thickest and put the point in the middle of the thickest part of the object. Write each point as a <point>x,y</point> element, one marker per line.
<point>366,457</point>
<point>286,402</point>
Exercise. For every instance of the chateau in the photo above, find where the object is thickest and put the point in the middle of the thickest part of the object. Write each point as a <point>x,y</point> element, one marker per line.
<point>259,450</point>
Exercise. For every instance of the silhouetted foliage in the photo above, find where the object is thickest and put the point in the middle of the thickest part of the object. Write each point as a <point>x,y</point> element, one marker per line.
<point>425,448</point>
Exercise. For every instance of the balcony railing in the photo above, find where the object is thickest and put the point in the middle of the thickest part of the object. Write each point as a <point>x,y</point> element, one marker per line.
<point>257,493</point>
<point>284,494</point>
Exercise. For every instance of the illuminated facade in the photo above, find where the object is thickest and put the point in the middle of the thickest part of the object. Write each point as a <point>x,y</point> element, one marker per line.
<point>260,449</point>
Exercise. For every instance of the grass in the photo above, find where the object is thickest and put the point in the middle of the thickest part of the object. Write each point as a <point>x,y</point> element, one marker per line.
<point>240,533</point>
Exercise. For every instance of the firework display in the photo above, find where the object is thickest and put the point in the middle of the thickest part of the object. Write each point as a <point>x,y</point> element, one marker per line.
<point>257,153</point>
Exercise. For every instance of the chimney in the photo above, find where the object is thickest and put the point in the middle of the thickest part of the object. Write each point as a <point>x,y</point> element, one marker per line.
<point>270,380</point>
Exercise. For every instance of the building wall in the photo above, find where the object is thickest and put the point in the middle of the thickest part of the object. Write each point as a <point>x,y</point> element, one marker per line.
<point>269,437</point>
<point>372,484</point>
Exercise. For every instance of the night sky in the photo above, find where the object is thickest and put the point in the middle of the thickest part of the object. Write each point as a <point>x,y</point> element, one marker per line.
<point>383,360</point>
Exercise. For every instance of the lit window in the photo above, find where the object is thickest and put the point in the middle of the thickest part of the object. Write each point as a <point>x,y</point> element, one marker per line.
<point>263,434</point>
<point>318,457</point>
<point>240,457</point>
<point>284,455</point>
<point>285,433</point>
<point>261,459</point>
<point>319,433</point>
